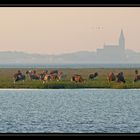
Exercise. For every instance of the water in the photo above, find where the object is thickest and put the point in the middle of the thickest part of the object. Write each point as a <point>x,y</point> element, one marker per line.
<point>70,111</point>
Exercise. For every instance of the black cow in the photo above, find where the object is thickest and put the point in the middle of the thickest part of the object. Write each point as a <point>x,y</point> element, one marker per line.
<point>18,77</point>
<point>93,76</point>
<point>120,77</point>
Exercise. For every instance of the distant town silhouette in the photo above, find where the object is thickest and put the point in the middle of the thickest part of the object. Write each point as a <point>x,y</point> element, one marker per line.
<point>108,54</point>
<point>113,52</point>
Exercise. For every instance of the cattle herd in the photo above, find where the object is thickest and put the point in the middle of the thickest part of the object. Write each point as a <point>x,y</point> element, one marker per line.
<point>56,75</point>
<point>45,76</point>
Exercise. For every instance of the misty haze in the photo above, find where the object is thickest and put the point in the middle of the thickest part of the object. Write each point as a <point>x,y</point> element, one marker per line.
<point>69,36</point>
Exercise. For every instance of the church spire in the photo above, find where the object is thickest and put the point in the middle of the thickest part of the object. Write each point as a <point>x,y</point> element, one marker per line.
<point>121,35</point>
<point>122,40</point>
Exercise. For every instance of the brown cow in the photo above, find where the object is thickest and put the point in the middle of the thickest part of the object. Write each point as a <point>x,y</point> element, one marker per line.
<point>61,76</point>
<point>50,77</point>
<point>77,78</point>
<point>54,77</point>
<point>111,77</point>
<point>46,78</point>
<point>33,75</point>
<point>137,77</point>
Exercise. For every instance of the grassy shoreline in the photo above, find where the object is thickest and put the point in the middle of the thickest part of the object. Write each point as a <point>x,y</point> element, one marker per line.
<point>6,79</point>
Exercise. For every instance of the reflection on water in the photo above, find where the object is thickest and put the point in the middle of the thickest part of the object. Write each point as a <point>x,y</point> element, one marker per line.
<point>70,111</point>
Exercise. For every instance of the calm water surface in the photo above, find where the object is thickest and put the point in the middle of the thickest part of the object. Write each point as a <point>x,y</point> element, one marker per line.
<point>70,111</point>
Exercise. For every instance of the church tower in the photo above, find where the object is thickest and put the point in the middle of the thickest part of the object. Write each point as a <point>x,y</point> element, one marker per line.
<point>122,41</point>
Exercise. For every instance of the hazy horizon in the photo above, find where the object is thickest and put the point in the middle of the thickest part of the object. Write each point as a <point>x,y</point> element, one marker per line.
<point>59,30</point>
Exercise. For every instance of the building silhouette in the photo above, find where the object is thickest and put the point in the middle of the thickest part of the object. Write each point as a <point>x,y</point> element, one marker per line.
<point>113,53</point>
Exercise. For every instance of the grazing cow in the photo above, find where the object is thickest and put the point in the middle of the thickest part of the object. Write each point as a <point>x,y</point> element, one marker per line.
<point>111,77</point>
<point>77,78</point>
<point>19,77</point>
<point>54,75</point>
<point>93,76</point>
<point>33,75</point>
<point>61,76</point>
<point>46,78</point>
<point>41,76</point>
<point>49,77</point>
<point>57,75</point>
<point>137,77</point>
<point>120,77</point>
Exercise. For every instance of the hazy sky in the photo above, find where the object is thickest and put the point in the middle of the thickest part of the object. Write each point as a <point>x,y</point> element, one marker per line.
<point>54,30</point>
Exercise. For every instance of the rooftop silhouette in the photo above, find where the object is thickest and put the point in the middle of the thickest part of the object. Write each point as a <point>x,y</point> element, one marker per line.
<point>113,53</point>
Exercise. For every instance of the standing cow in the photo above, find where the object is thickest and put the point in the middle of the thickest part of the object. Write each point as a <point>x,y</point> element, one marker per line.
<point>93,76</point>
<point>111,77</point>
<point>137,77</point>
<point>19,76</point>
<point>120,77</point>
